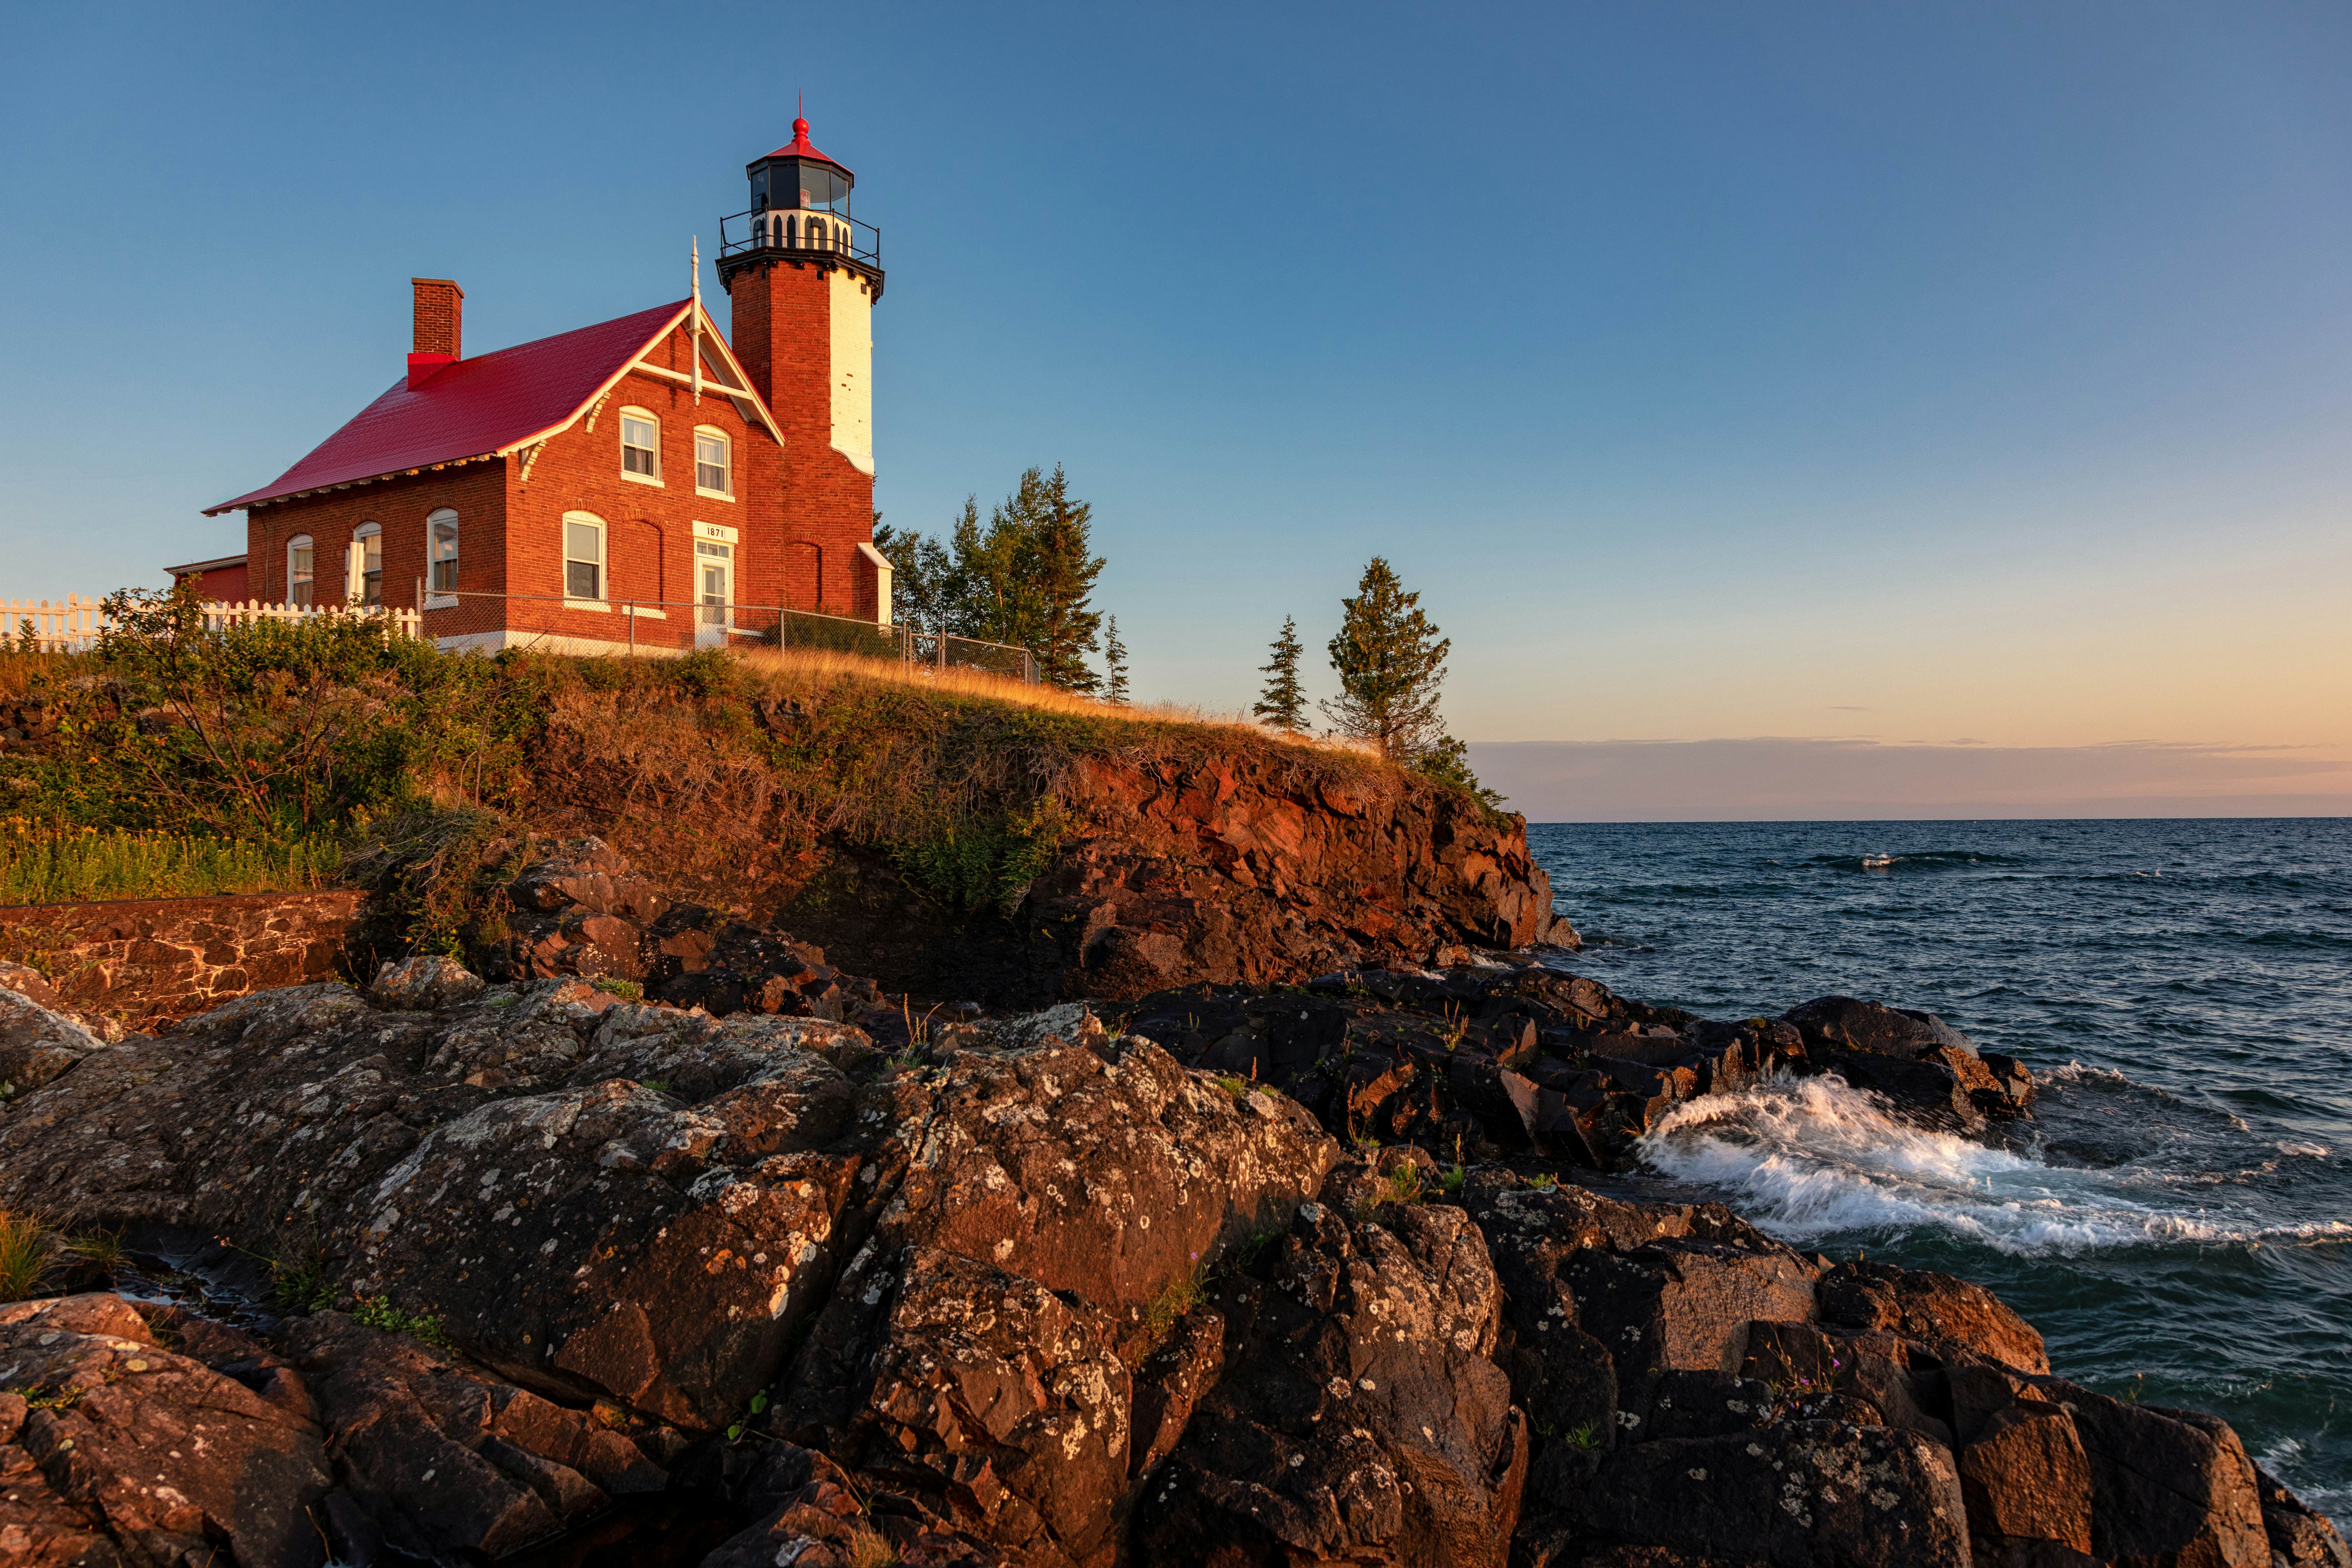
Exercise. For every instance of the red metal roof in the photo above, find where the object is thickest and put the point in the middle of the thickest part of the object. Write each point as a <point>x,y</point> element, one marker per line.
<point>798,147</point>
<point>473,408</point>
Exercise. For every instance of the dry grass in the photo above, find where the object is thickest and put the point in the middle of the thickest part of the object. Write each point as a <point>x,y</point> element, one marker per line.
<point>21,667</point>
<point>26,1254</point>
<point>821,665</point>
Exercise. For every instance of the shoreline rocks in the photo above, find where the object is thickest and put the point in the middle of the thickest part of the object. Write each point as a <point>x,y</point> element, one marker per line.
<point>1228,1276</point>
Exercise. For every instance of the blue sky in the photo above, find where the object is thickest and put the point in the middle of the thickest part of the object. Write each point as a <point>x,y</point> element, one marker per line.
<point>1923,374</point>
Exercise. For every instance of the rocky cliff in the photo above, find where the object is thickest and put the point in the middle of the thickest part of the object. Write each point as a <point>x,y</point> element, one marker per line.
<point>1039,859</point>
<point>450,1269</point>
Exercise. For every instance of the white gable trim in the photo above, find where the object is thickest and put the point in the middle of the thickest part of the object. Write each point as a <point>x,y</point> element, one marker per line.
<point>736,385</point>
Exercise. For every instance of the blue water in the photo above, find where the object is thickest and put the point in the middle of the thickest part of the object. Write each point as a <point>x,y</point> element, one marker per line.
<point>2178,1219</point>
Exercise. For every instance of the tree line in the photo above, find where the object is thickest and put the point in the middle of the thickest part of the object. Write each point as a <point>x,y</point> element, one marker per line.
<point>1026,576</point>
<point>1390,661</point>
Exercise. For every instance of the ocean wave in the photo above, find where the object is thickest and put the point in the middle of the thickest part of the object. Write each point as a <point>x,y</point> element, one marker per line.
<point>2082,1072</point>
<point>1806,1159</point>
<point>2297,1148</point>
<point>1916,860</point>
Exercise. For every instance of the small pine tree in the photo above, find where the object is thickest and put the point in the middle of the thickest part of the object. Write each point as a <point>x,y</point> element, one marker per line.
<point>1283,703</point>
<point>1391,663</point>
<point>1067,570</point>
<point>1115,664</point>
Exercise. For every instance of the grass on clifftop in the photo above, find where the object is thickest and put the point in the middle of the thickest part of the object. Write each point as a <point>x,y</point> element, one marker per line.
<point>173,760</point>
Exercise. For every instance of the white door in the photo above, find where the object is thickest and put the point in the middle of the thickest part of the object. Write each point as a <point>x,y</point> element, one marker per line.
<point>714,593</point>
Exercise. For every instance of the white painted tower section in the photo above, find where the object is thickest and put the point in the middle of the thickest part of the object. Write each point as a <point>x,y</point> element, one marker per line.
<point>852,309</point>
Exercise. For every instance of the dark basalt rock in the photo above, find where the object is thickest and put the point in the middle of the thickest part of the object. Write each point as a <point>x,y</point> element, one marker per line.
<point>1936,1310</point>
<point>119,1449</point>
<point>1801,1494</point>
<point>1360,1419</point>
<point>582,910</point>
<point>1031,1291</point>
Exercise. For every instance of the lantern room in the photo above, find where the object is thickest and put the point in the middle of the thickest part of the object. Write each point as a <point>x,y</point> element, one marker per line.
<point>800,199</point>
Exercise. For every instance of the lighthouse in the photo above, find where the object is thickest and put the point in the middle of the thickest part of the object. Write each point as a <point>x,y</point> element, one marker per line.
<point>801,275</point>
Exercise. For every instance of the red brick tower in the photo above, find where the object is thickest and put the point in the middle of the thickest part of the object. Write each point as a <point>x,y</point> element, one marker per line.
<point>802,276</point>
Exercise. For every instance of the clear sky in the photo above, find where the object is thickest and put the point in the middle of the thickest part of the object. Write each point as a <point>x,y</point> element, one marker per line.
<point>1969,376</point>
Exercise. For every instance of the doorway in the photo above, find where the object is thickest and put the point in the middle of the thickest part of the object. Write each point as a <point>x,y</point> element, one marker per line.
<point>714,593</point>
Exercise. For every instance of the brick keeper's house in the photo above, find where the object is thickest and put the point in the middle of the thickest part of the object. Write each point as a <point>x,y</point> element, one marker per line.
<point>640,482</point>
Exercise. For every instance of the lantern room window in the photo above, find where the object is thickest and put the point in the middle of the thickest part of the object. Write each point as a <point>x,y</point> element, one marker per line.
<point>823,190</point>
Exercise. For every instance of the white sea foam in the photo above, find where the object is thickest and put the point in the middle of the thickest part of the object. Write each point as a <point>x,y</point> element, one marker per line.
<point>2292,1146</point>
<point>1809,1158</point>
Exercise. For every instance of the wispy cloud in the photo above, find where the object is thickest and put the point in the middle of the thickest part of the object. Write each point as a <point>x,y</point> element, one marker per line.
<point>1778,778</point>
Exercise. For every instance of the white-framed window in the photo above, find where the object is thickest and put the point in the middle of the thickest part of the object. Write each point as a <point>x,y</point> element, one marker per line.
<point>583,555</point>
<point>441,552</point>
<point>714,473</point>
<point>640,447</point>
<point>367,565</point>
<point>300,577</point>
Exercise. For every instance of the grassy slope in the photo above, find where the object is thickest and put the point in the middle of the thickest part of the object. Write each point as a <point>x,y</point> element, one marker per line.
<point>736,778</point>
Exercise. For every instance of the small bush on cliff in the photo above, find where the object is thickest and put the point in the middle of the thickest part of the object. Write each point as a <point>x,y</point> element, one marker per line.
<point>274,730</point>
<point>436,873</point>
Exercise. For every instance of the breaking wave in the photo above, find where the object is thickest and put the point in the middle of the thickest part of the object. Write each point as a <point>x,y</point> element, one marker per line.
<point>1808,1159</point>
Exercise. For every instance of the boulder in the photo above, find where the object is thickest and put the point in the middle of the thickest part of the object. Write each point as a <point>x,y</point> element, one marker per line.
<point>1936,1310</point>
<point>2169,1486</point>
<point>2026,1476</point>
<point>437,1461</point>
<point>1359,1418</point>
<point>1099,1167</point>
<point>998,1403</point>
<point>1801,1494</point>
<point>425,983</point>
<point>149,1451</point>
<point>1928,1070</point>
<point>2300,1537</point>
<point>37,1043</point>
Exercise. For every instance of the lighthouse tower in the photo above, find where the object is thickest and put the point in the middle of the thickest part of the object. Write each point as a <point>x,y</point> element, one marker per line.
<point>802,276</point>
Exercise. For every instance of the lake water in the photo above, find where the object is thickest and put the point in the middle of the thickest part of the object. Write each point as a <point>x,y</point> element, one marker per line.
<point>2177,1218</point>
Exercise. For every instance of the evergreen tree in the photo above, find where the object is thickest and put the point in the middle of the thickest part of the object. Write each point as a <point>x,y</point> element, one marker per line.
<point>1391,663</point>
<point>1283,703</point>
<point>1059,532</point>
<point>1115,664</point>
<point>1024,577</point>
<point>922,577</point>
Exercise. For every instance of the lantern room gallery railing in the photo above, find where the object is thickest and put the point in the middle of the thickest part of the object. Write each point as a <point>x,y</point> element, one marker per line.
<point>787,231</point>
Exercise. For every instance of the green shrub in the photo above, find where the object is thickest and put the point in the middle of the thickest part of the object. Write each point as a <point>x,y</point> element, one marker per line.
<point>378,1312</point>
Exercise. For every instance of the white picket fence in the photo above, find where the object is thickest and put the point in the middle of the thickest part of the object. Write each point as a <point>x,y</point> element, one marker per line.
<point>72,625</point>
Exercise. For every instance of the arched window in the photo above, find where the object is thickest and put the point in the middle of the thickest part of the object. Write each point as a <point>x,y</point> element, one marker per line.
<point>583,555</point>
<point>441,550</point>
<point>640,447</point>
<point>297,570</point>
<point>760,229</point>
<point>366,584</point>
<point>714,473</point>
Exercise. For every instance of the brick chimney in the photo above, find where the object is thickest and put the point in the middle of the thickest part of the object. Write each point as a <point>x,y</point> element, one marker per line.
<point>440,327</point>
